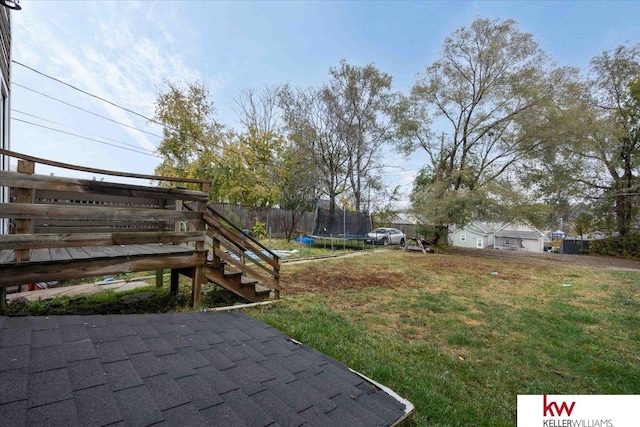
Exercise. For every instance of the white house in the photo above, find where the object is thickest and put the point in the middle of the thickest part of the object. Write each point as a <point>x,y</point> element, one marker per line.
<point>5,68</point>
<point>473,235</point>
<point>520,236</point>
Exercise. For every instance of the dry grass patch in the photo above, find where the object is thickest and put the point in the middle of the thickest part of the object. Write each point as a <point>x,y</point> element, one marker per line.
<point>338,275</point>
<point>462,343</point>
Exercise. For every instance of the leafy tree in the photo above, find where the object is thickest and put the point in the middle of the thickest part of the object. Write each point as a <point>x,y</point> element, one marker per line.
<point>192,136</point>
<point>247,169</point>
<point>610,153</point>
<point>289,172</point>
<point>241,165</point>
<point>297,180</point>
<point>583,224</point>
<point>250,160</point>
<point>476,112</point>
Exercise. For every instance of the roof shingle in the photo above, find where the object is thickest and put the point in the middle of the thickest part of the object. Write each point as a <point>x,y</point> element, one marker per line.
<point>175,369</point>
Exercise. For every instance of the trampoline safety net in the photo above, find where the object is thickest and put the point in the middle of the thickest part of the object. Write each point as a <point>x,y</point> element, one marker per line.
<point>333,223</point>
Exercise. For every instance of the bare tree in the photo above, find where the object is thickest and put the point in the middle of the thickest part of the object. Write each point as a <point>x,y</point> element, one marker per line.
<point>314,129</point>
<point>361,99</point>
<point>260,110</point>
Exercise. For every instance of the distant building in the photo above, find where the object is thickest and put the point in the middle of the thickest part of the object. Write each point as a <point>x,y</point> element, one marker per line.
<point>519,236</point>
<point>476,234</point>
<point>405,223</point>
<point>5,80</point>
<point>515,235</point>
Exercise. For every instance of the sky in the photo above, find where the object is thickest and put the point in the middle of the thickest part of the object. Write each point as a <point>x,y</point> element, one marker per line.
<point>125,51</point>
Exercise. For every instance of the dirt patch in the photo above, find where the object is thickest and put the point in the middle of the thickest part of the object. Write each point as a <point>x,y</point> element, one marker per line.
<point>338,277</point>
<point>462,272</point>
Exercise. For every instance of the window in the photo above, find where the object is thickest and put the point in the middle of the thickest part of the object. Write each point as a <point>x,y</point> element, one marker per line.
<point>507,243</point>
<point>479,243</point>
<point>463,237</point>
<point>4,160</point>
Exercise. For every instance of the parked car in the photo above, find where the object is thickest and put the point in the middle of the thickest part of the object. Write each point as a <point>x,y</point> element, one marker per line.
<point>386,236</point>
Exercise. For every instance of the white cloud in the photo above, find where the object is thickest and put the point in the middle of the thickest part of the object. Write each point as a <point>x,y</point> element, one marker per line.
<point>104,48</point>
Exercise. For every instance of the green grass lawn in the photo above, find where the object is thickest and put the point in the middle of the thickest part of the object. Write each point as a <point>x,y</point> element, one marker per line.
<point>461,343</point>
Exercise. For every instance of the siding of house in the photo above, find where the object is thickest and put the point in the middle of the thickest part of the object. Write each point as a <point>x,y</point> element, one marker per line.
<point>471,239</point>
<point>520,243</point>
<point>519,236</point>
<point>5,69</point>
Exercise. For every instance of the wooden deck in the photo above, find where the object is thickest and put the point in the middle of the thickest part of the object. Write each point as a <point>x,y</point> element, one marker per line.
<point>64,228</point>
<point>92,261</point>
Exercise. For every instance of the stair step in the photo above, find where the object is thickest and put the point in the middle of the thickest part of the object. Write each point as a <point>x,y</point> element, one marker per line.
<point>245,281</point>
<point>261,290</point>
<point>232,274</point>
<point>238,283</point>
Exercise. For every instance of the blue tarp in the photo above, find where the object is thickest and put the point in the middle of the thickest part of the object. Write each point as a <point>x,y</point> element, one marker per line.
<point>305,240</point>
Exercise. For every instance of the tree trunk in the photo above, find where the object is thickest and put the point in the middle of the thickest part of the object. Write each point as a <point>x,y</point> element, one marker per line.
<point>441,235</point>
<point>292,227</point>
<point>623,210</point>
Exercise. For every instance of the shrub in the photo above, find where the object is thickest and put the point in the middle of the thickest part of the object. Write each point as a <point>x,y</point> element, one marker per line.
<point>627,247</point>
<point>259,230</point>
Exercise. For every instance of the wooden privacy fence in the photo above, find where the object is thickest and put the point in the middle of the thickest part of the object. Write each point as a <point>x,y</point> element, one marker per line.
<point>279,220</point>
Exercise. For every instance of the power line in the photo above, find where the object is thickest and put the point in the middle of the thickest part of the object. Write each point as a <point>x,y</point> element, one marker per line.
<point>85,110</point>
<point>80,130</point>
<point>84,137</point>
<point>165,126</point>
<point>87,93</point>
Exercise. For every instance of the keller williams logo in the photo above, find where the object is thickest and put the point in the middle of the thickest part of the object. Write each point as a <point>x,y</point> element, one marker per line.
<point>548,408</point>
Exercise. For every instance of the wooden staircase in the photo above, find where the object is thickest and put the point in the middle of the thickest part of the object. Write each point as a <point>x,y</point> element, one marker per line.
<point>238,262</point>
<point>236,282</point>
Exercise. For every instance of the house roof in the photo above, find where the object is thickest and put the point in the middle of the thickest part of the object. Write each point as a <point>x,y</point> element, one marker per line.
<point>403,219</point>
<point>176,369</point>
<point>529,230</point>
<point>474,227</point>
<point>514,234</point>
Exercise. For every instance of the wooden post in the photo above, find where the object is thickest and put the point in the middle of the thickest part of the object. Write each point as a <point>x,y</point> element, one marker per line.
<point>196,286</point>
<point>159,278</point>
<point>24,195</point>
<point>177,225</point>
<point>23,226</point>
<point>162,227</point>
<point>198,272</point>
<point>175,277</point>
<point>215,248</point>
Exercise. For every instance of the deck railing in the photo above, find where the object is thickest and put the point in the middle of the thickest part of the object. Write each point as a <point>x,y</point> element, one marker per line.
<point>241,251</point>
<point>64,215</point>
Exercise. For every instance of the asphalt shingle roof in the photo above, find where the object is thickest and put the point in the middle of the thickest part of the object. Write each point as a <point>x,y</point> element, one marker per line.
<point>191,369</point>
